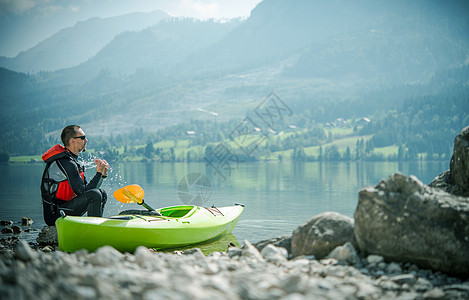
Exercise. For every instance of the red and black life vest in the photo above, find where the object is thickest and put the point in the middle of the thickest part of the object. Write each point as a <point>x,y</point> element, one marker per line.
<point>55,183</point>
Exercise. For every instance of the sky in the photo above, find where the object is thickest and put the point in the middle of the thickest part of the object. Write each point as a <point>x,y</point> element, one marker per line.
<point>24,23</point>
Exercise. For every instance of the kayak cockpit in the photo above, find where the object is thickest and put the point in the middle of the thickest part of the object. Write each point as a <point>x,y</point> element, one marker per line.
<point>181,211</point>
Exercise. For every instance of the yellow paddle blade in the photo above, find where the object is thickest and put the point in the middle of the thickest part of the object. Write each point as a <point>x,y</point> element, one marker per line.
<point>130,194</point>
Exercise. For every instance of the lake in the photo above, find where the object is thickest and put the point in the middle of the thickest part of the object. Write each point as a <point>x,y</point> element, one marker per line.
<point>278,196</point>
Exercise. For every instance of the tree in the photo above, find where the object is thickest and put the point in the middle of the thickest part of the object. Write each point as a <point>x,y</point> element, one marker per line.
<point>299,154</point>
<point>401,153</point>
<point>173,154</point>
<point>369,148</point>
<point>4,156</point>
<point>332,153</point>
<point>347,155</point>
<point>149,149</point>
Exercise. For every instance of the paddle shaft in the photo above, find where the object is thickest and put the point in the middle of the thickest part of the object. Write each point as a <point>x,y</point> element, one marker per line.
<point>146,206</point>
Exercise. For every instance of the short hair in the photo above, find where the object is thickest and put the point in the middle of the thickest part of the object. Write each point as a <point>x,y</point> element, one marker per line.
<point>69,132</point>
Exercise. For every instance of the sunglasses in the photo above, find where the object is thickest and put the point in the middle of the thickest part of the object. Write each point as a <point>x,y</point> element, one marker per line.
<point>83,137</point>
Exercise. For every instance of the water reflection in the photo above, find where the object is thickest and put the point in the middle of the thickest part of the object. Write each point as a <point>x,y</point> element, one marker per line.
<point>219,244</point>
<point>149,169</point>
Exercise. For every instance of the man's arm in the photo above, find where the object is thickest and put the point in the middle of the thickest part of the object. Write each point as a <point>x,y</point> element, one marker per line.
<point>95,183</point>
<point>76,182</point>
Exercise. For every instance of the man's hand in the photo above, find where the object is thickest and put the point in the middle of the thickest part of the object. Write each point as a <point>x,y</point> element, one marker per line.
<point>102,166</point>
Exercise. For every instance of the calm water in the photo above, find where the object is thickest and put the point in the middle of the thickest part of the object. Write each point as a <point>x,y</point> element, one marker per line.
<point>278,196</point>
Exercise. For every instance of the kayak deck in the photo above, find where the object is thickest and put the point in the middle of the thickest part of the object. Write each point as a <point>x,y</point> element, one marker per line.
<point>178,226</point>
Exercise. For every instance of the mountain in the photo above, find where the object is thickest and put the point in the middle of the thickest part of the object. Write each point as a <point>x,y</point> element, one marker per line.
<point>159,49</point>
<point>74,45</point>
<point>338,37</point>
<point>407,45</point>
<point>386,41</point>
<point>380,40</point>
<point>277,29</point>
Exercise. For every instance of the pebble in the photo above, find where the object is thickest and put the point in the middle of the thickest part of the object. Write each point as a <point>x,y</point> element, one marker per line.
<point>374,259</point>
<point>25,221</point>
<point>7,230</point>
<point>393,268</point>
<point>239,273</point>
<point>345,254</point>
<point>6,223</point>
<point>16,229</point>
<point>404,278</point>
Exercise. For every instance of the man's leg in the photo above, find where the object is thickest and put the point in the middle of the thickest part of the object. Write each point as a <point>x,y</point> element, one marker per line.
<point>103,199</point>
<point>92,201</point>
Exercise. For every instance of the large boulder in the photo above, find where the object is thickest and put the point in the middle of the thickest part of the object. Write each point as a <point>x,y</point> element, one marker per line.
<point>322,234</point>
<point>404,220</point>
<point>456,179</point>
<point>459,165</point>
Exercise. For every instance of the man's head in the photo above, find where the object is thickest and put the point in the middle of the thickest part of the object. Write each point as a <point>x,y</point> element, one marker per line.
<point>74,139</point>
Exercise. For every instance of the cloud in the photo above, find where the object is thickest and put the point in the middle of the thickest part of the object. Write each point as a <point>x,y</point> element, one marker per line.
<point>17,7</point>
<point>48,10</point>
<point>74,8</point>
<point>30,7</point>
<point>199,9</point>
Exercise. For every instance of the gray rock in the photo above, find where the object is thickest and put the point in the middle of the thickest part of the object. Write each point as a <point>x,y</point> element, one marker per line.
<point>7,230</point>
<point>48,236</point>
<point>404,278</point>
<point>234,251</point>
<point>194,251</point>
<point>6,223</point>
<point>443,182</point>
<point>283,241</point>
<point>25,221</point>
<point>374,259</point>
<point>435,293</point>
<point>273,254</point>
<point>105,256</point>
<point>456,180</point>
<point>322,234</point>
<point>47,248</point>
<point>143,255</point>
<point>23,251</point>
<point>393,268</point>
<point>404,220</point>
<point>422,285</point>
<point>248,250</point>
<point>345,254</point>
<point>459,165</point>
<point>16,229</point>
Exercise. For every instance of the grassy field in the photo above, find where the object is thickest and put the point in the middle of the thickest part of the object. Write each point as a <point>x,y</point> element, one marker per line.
<point>25,159</point>
<point>343,138</point>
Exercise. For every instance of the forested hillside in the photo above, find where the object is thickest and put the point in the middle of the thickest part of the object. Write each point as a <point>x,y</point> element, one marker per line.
<point>401,65</point>
<point>407,128</point>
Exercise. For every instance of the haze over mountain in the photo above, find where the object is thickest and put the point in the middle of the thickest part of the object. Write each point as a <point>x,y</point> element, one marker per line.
<point>25,23</point>
<point>395,41</point>
<point>325,58</point>
<point>74,45</point>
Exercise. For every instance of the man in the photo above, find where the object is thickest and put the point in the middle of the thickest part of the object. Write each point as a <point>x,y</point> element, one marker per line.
<point>64,186</point>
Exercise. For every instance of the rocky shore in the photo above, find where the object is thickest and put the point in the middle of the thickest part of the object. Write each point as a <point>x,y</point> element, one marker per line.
<point>407,240</point>
<point>238,273</point>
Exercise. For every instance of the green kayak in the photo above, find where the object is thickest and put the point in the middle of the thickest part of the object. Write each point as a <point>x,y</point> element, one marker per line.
<point>177,226</point>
